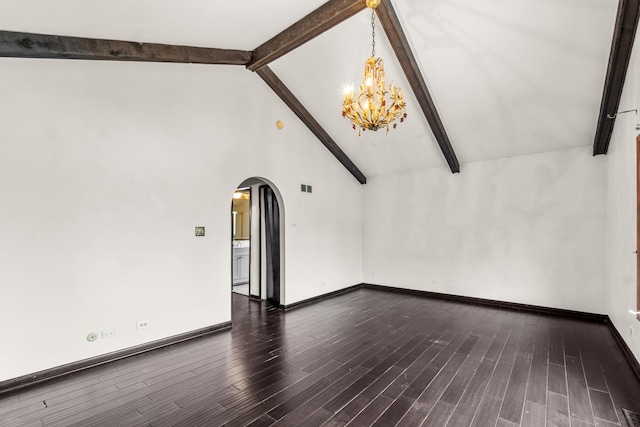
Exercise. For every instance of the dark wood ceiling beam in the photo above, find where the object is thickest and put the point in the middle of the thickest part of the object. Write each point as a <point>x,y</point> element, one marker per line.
<point>292,102</point>
<point>400,45</point>
<point>619,58</point>
<point>27,45</point>
<point>317,22</point>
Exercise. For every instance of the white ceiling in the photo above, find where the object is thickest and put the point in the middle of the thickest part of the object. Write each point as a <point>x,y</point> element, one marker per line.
<point>509,77</point>
<point>209,23</point>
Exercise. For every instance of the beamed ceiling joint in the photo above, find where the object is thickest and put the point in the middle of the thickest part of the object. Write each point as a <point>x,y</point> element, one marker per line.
<point>330,14</point>
<point>619,58</point>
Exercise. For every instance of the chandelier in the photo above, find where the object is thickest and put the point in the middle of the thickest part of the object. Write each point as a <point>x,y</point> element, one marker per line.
<point>372,109</point>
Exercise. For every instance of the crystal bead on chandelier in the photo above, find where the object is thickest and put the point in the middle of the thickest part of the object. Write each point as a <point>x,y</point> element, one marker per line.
<point>370,110</point>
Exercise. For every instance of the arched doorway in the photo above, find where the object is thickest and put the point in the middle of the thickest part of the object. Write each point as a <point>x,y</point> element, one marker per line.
<point>257,219</point>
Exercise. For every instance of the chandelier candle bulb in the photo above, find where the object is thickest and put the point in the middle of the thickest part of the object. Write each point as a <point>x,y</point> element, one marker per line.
<point>369,110</point>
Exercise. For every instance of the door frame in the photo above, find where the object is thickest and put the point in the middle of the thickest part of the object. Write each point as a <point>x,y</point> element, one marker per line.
<point>256,250</point>
<point>638,226</point>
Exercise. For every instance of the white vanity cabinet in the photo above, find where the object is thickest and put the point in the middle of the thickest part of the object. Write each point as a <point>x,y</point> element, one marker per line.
<point>240,265</point>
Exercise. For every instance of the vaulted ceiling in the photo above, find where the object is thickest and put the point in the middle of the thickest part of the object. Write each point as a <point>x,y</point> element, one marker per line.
<point>507,77</point>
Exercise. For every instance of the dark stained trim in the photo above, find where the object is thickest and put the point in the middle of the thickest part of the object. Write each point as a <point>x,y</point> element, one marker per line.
<point>398,40</point>
<point>623,36</point>
<point>28,45</point>
<point>592,317</point>
<point>628,354</point>
<point>319,298</point>
<point>49,374</point>
<point>317,22</point>
<point>292,102</point>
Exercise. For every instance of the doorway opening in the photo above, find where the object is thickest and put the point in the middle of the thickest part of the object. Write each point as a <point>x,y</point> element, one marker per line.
<point>241,243</point>
<point>257,225</point>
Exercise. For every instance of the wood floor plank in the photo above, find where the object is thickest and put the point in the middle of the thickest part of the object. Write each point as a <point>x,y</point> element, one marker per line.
<point>579,423</point>
<point>430,396</point>
<point>349,411</point>
<point>468,405</point>
<point>440,414</point>
<point>592,370</point>
<point>497,345</point>
<point>408,386</point>
<point>556,347</point>
<point>620,389</point>
<point>513,403</point>
<point>300,414</point>
<point>504,423</point>
<point>535,414</point>
<point>557,380</point>
<point>348,394</point>
<point>603,406</point>
<point>461,380</point>
<point>537,382</point>
<point>231,418</point>
<point>372,412</point>
<point>436,363</point>
<point>394,412</point>
<point>488,412</point>
<point>557,410</point>
<point>603,423</point>
<point>500,379</point>
<point>570,339</point>
<point>579,402</point>
<point>263,421</point>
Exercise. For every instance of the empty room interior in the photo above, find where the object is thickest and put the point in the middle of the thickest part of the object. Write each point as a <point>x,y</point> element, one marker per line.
<point>382,212</point>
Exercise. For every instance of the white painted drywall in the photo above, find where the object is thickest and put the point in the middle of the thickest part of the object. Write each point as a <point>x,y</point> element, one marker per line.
<point>105,170</point>
<point>621,211</point>
<point>526,229</point>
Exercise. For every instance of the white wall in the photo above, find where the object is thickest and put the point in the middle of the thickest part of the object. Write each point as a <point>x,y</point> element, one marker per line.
<point>105,170</point>
<point>526,229</point>
<point>621,213</point>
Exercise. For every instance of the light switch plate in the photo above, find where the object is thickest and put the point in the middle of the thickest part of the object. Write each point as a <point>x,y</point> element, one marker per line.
<point>199,231</point>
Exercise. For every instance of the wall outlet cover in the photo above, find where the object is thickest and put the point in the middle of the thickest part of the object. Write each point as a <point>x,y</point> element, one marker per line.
<point>143,324</point>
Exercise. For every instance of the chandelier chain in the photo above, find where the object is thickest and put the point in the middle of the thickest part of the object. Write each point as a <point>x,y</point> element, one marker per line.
<point>373,33</point>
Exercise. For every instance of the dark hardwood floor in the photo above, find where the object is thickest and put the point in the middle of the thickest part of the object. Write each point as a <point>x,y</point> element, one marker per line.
<point>363,358</point>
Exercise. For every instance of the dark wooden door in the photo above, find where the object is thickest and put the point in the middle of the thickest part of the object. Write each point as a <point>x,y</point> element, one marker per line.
<point>272,234</point>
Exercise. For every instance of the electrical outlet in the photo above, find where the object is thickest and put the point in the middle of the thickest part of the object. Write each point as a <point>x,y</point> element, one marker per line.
<point>108,334</point>
<point>143,324</point>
